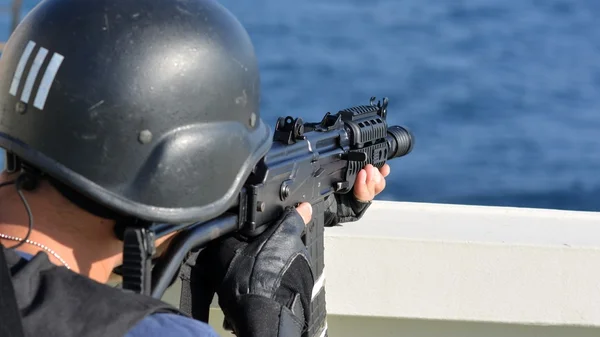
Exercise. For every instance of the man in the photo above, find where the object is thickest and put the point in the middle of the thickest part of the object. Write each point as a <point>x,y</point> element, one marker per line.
<point>121,113</point>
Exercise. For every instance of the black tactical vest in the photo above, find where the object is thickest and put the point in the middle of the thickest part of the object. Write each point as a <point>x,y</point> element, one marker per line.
<point>55,301</point>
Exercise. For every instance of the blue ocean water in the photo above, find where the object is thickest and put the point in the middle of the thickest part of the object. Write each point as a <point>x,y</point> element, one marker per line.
<point>503,96</point>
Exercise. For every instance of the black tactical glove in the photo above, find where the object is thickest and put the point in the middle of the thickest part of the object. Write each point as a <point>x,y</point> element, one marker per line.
<point>270,300</point>
<point>266,284</point>
<point>342,208</point>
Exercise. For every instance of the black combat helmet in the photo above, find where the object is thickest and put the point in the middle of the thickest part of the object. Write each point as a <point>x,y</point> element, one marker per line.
<point>150,108</point>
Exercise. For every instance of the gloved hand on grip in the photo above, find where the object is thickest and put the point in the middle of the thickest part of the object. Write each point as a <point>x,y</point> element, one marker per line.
<point>265,286</point>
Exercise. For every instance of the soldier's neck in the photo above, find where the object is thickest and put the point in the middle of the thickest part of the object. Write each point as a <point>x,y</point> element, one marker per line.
<point>85,242</point>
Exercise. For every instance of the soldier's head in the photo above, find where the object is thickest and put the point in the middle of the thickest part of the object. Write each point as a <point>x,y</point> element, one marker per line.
<point>144,110</point>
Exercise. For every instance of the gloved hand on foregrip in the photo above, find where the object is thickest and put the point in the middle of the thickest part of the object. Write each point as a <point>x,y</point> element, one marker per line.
<point>267,284</point>
<point>349,207</point>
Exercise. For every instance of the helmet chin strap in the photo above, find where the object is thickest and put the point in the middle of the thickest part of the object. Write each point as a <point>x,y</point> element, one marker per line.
<point>138,250</point>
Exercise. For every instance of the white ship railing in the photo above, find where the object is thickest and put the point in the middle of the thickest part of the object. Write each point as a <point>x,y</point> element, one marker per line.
<point>413,269</point>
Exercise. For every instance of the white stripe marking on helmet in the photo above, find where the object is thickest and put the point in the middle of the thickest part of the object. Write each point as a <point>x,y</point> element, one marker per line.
<point>33,73</point>
<point>14,86</point>
<point>47,80</point>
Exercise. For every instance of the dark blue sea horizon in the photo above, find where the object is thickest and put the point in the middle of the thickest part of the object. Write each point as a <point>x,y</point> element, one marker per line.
<point>503,96</point>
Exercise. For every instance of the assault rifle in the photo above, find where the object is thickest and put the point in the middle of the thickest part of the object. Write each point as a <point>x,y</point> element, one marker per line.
<point>307,162</point>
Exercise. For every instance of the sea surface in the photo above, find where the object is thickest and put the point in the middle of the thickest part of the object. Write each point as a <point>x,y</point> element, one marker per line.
<point>503,96</point>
